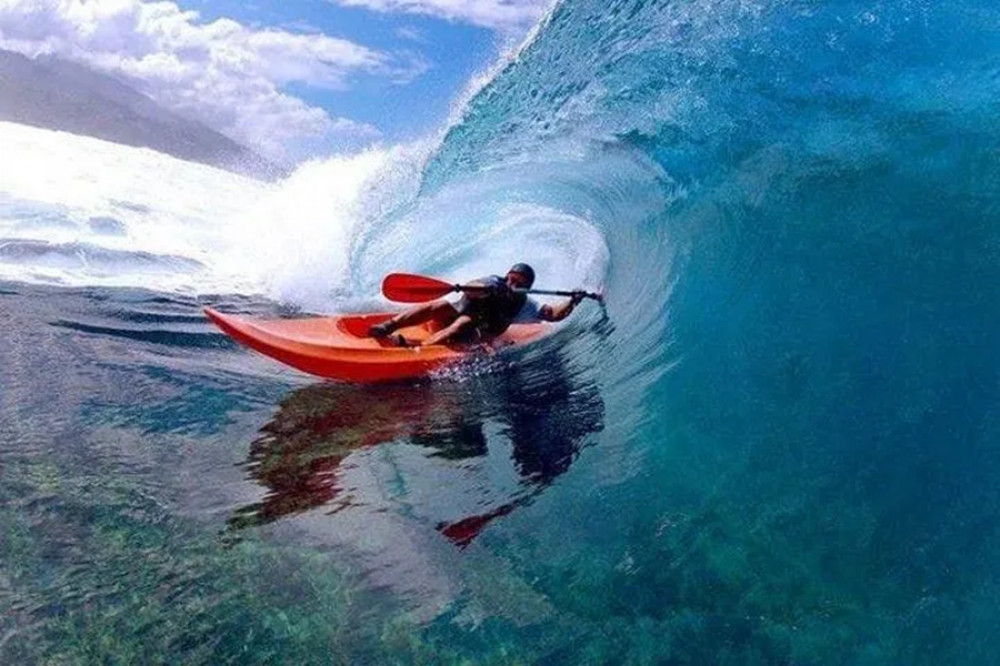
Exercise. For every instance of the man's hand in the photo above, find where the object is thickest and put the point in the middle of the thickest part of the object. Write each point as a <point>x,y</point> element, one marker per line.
<point>561,311</point>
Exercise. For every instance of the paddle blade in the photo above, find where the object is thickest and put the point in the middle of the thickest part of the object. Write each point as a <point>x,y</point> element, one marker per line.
<point>409,288</point>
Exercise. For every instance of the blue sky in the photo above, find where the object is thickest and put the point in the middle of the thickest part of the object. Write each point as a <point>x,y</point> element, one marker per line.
<point>454,52</point>
<point>292,79</point>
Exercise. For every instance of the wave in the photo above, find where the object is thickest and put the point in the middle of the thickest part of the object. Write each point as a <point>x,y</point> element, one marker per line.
<point>798,207</point>
<point>678,155</point>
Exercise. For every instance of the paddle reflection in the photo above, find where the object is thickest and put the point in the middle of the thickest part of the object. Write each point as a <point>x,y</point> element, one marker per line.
<point>528,424</point>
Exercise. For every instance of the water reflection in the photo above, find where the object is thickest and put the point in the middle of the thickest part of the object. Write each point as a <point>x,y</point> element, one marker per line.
<point>529,423</point>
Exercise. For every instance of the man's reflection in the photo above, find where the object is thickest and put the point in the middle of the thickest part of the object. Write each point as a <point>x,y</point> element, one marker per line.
<point>544,414</point>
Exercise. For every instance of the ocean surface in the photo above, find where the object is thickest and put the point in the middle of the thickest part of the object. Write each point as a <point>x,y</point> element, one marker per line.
<point>778,444</point>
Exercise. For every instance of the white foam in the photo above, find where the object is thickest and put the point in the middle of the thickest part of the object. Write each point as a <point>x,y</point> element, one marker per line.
<point>296,242</point>
<point>289,240</point>
<point>54,184</point>
<point>321,239</point>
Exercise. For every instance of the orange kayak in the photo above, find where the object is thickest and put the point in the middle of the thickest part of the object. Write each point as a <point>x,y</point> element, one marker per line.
<point>340,348</point>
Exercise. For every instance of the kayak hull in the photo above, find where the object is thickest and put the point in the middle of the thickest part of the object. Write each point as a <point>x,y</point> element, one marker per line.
<point>339,347</point>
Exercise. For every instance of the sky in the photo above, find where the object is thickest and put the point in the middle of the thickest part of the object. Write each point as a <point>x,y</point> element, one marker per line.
<point>292,79</point>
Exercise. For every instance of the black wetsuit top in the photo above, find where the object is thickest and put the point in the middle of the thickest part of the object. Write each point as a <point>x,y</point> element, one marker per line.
<point>493,312</point>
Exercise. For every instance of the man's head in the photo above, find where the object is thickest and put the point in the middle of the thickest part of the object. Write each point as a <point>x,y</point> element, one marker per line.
<point>520,276</point>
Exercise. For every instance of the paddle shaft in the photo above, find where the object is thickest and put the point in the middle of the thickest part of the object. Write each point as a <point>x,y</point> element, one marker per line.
<point>409,288</point>
<point>543,292</point>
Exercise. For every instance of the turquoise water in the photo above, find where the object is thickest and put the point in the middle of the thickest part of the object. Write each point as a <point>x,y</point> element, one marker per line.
<point>777,446</point>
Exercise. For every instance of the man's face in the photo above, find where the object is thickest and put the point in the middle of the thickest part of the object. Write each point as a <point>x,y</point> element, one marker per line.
<point>517,281</point>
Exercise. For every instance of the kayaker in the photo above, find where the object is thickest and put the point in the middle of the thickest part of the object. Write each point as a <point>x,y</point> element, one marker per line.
<point>480,314</point>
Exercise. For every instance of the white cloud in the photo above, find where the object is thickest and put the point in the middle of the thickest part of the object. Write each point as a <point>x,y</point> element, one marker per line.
<point>412,34</point>
<point>222,72</point>
<point>502,15</point>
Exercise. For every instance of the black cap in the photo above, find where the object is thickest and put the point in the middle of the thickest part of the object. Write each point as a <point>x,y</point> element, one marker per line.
<point>525,270</point>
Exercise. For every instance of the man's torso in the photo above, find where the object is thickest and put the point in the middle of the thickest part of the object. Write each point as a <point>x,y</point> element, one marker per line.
<point>493,314</point>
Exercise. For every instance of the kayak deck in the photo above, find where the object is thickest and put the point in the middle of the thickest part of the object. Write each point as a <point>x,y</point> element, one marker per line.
<point>339,347</point>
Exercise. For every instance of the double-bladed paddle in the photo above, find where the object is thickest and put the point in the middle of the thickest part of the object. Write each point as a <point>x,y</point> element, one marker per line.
<point>410,288</point>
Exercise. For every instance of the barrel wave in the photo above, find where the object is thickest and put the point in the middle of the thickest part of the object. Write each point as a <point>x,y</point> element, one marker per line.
<point>799,208</point>
<point>776,444</point>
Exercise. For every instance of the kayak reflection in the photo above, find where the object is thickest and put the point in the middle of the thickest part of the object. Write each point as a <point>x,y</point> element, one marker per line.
<point>498,440</point>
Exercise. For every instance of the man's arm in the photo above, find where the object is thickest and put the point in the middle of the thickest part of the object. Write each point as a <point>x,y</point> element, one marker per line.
<point>561,311</point>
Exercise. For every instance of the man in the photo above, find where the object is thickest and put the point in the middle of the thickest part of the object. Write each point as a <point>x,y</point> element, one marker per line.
<point>481,314</point>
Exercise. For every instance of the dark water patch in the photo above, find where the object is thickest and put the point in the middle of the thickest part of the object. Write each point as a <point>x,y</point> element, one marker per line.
<point>140,314</point>
<point>207,339</point>
<point>107,226</point>
<point>136,316</point>
<point>80,255</point>
<point>125,300</point>
<point>130,205</point>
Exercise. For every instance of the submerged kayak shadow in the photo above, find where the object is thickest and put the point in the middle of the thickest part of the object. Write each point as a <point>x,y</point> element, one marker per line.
<point>527,422</point>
